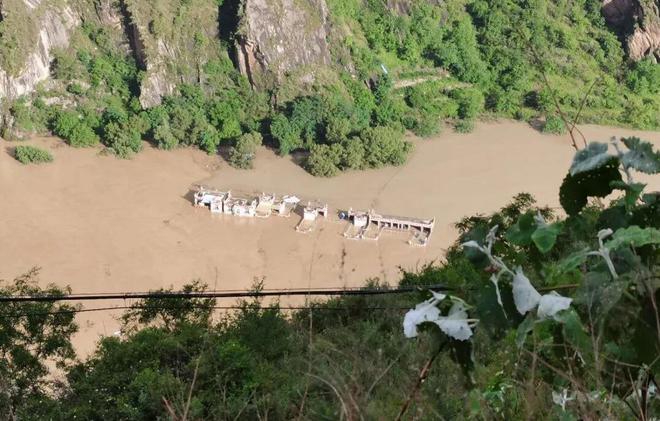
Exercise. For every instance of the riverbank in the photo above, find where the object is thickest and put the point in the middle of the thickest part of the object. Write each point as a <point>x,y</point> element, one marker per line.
<point>101,224</point>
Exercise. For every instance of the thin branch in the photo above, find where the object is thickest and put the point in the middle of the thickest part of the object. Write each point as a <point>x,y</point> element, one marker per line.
<point>186,408</point>
<point>334,389</point>
<point>309,365</point>
<point>571,127</point>
<point>579,111</point>
<point>423,374</point>
<point>381,375</point>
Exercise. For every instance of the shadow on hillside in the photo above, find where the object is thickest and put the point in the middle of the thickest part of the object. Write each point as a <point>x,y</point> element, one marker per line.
<point>536,124</point>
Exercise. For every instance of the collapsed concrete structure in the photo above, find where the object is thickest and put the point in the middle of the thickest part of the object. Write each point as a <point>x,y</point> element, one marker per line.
<point>366,225</point>
<point>369,226</point>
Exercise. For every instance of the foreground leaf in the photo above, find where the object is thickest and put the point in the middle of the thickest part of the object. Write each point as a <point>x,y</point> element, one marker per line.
<point>641,156</point>
<point>456,324</point>
<point>521,232</point>
<point>576,189</point>
<point>545,237</point>
<point>593,156</point>
<point>633,191</point>
<point>525,295</point>
<point>575,333</point>
<point>634,236</point>
<point>423,312</point>
<point>551,304</point>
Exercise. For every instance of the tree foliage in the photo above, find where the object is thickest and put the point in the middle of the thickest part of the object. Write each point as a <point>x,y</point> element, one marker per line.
<point>33,337</point>
<point>242,153</point>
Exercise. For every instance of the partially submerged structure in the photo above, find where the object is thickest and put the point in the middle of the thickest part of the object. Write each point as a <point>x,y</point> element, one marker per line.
<point>285,205</point>
<point>225,202</point>
<point>311,212</point>
<point>369,225</point>
<point>210,198</point>
<point>265,205</point>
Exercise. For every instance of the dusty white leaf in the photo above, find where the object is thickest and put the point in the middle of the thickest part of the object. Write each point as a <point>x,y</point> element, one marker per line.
<point>552,304</point>
<point>562,398</point>
<point>438,296</point>
<point>604,233</point>
<point>539,219</point>
<point>490,238</point>
<point>524,294</point>
<point>423,312</point>
<point>472,244</point>
<point>495,279</point>
<point>456,324</point>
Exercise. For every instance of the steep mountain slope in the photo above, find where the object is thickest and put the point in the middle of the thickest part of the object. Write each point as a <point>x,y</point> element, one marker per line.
<point>316,75</point>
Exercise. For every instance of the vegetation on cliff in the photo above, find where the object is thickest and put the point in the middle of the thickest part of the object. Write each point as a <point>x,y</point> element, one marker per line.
<point>406,66</point>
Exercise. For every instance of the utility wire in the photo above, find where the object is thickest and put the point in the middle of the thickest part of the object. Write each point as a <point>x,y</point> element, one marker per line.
<point>94,309</point>
<point>213,294</point>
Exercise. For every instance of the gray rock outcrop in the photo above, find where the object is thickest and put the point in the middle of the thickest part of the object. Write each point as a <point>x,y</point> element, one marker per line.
<point>171,42</point>
<point>638,21</point>
<point>53,28</point>
<point>280,37</point>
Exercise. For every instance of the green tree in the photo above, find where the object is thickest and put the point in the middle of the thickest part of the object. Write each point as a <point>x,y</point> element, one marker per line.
<point>123,139</point>
<point>470,102</point>
<point>242,153</point>
<point>353,154</point>
<point>384,146</point>
<point>33,336</point>
<point>324,160</point>
<point>285,133</point>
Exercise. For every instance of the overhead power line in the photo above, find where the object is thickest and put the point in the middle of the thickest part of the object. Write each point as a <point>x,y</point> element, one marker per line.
<point>214,294</point>
<point>10,314</point>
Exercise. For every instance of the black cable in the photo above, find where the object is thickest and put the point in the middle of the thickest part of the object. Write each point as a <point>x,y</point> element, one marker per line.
<point>87,310</point>
<point>212,294</point>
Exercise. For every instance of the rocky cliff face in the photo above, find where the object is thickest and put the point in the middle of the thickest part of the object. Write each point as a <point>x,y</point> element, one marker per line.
<point>171,40</point>
<point>280,37</point>
<point>638,21</point>
<point>51,27</point>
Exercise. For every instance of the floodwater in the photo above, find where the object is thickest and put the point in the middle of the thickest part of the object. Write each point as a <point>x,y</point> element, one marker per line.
<point>101,224</point>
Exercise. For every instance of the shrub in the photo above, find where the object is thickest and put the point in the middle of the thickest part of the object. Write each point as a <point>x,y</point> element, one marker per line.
<point>644,78</point>
<point>324,160</point>
<point>554,125</point>
<point>83,136</point>
<point>26,154</point>
<point>426,124</point>
<point>470,102</point>
<point>209,139</point>
<point>286,134</point>
<point>29,117</point>
<point>163,136</point>
<point>384,146</point>
<point>122,139</point>
<point>75,131</point>
<point>353,154</point>
<point>242,153</point>
<point>464,126</point>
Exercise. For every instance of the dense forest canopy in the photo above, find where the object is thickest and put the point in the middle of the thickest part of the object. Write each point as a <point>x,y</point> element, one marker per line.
<point>394,67</point>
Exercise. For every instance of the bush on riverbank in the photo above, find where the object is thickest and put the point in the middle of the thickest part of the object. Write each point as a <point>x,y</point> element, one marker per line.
<point>241,155</point>
<point>26,154</point>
